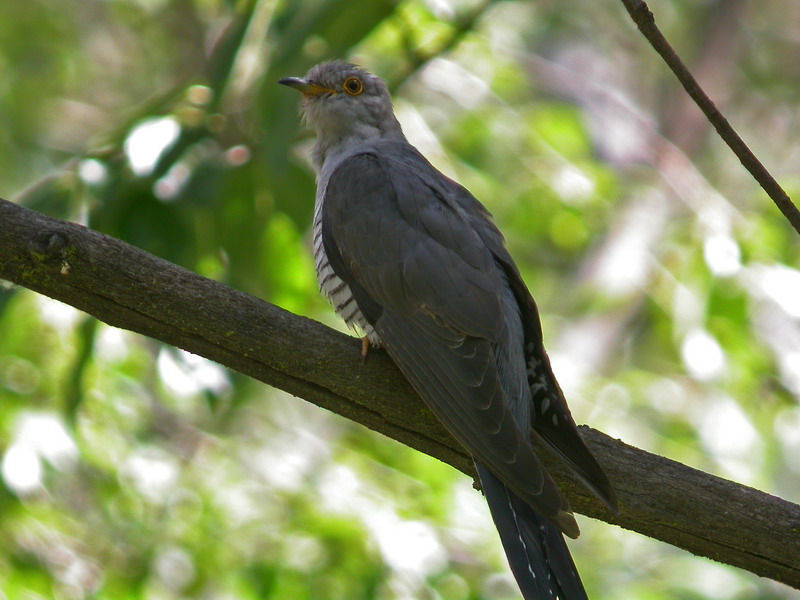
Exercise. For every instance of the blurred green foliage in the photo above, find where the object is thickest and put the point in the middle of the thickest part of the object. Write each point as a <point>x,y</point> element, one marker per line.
<point>667,281</point>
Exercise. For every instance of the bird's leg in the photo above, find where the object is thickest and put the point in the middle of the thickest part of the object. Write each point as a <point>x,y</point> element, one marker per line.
<point>364,348</point>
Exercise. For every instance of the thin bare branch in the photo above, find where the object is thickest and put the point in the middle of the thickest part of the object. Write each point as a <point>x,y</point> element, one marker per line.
<point>641,15</point>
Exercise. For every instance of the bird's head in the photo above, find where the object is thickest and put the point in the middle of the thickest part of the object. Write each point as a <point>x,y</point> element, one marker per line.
<point>343,103</point>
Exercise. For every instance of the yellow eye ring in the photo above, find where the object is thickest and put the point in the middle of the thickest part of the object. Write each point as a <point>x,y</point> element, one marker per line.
<point>353,86</point>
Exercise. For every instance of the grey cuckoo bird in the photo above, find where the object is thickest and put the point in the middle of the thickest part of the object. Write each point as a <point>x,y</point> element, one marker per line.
<point>414,261</point>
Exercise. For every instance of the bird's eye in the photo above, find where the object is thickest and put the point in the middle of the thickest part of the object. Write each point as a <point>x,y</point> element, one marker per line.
<point>353,86</point>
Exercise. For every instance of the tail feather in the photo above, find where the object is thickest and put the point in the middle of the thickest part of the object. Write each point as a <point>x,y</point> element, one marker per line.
<point>535,548</point>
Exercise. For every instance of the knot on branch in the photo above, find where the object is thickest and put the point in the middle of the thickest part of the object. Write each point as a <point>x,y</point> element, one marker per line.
<point>640,13</point>
<point>51,247</point>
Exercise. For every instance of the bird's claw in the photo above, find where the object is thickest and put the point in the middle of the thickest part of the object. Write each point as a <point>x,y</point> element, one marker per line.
<point>364,348</point>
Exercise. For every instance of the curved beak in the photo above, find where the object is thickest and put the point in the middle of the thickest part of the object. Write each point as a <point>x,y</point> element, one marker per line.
<point>305,87</point>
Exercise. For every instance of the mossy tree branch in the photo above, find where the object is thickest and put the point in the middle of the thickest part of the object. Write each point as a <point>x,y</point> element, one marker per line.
<point>129,288</point>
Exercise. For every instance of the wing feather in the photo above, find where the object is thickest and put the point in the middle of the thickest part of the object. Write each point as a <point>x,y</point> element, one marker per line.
<point>550,417</point>
<point>439,292</point>
<point>474,410</point>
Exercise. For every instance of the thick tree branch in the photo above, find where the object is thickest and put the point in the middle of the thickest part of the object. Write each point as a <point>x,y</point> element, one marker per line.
<point>641,15</point>
<point>128,288</point>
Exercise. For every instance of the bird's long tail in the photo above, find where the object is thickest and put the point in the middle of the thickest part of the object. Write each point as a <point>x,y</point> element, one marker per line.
<point>536,550</point>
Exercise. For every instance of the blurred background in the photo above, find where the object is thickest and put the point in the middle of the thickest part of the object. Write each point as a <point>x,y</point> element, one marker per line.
<point>667,282</point>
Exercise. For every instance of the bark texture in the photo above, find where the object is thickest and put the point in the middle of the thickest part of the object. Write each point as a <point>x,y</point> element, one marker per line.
<point>129,288</point>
